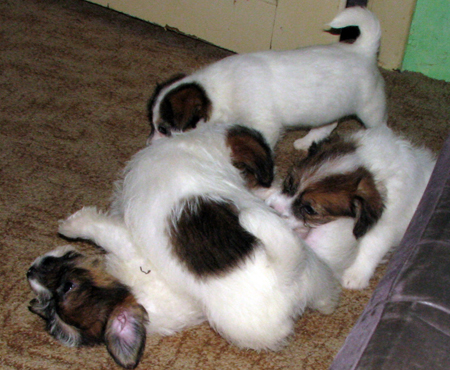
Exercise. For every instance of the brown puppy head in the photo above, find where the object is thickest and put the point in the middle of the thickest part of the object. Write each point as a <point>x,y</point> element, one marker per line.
<point>251,154</point>
<point>180,109</point>
<point>351,194</point>
<point>83,305</point>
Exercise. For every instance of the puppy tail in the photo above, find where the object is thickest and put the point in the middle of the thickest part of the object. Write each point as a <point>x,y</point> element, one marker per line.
<point>368,24</point>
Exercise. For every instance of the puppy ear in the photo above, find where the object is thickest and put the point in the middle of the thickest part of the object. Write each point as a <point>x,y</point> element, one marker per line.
<point>368,205</point>
<point>251,154</point>
<point>125,334</point>
<point>185,105</point>
<point>158,88</point>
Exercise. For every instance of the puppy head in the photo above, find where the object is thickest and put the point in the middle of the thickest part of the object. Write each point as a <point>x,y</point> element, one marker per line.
<point>177,108</point>
<point>251,154</point>
<point>83,305</point>
<point>352,194</point>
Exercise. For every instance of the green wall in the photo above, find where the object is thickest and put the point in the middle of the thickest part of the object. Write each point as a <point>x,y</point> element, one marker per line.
<point>428,48</point>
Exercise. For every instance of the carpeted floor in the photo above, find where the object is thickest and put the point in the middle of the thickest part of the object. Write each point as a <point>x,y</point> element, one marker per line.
<point>74,82</point>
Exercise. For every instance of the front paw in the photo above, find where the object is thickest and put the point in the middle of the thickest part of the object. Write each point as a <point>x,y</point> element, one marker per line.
<point>79,224</point>
<point>356,278</point>
<point>304,143</point>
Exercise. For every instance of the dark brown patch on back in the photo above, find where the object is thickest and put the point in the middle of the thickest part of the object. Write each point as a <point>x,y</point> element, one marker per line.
<point>208,238</point>
<point>251,154</point>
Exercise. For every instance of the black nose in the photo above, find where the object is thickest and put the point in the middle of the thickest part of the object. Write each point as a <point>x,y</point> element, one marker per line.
<point>31,271</point>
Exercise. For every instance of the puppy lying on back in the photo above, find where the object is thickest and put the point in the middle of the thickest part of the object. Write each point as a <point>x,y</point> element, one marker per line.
<point>193,243</point>
<point>84,305</point>
<point>270,90</point>
<point>352,199</point>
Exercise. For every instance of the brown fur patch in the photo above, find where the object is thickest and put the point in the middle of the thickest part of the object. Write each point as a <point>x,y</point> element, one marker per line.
<point>208,238</point>
<point>81,296</point>
<point>89,302</point>
<point>151,103</point>
<point>251,154</point>
<point>345,195</point>
<point>319,153</point>
<point>183,107</point>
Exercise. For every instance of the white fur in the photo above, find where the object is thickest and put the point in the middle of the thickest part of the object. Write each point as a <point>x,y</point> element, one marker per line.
<point>253,305</point>
<point>401,172</point>
<point>169,309</point>
<point>308,87</point>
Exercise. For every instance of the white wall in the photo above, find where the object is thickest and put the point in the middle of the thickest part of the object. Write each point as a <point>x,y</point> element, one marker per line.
<point>252,25</point>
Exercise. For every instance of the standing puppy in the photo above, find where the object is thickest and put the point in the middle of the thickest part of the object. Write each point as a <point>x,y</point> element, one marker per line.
<point>271,90</point>
<point>185,212</point>
<point>352,199</point>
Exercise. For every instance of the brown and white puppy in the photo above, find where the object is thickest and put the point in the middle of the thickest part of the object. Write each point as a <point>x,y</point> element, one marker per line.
<point>352,199</point>
<point>84,305</point>
<point>271,90</point>
<point>184,212</point>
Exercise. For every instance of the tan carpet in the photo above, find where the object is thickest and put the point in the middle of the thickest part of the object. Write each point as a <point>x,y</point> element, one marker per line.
<point>74,81</point>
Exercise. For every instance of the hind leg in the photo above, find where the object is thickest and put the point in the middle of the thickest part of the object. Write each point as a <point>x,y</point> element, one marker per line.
<point>107,232</point>
<point>373,110</point>
<point>321,287</point>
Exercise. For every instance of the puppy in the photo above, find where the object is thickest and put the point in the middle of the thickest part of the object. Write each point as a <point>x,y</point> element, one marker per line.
<point>352,199</point>
<point>83,305</point>
<point>184,212</point>
<point>270,90</point>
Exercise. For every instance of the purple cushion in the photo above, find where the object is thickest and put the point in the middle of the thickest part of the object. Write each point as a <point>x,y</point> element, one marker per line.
<point>406,324</point>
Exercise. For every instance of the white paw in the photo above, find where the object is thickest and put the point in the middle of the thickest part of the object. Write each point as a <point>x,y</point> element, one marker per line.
<point>314,135</point>
<point>327,307</point>
<point>79,224</point>
<point>303,143</point>
<point>354,278</point>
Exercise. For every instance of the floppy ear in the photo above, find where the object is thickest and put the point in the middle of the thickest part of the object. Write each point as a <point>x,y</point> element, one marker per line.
<point>251,154</point>
<point>125,334</point>
<point>185,105</point>
<point>368,205</point>
<point>157,91</point>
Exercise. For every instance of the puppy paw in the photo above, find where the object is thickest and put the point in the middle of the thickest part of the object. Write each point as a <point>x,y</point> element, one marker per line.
<point>353,278</point>
<point>303,143</point>
<point>79,224</point>
<point>327,307</point>
<point>314,135</point>
<point>330,297</point>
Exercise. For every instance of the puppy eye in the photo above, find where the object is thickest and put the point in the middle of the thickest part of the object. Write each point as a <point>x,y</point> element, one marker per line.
<point>163,130</point>
<point>309,210</point>
<point>67,287</point>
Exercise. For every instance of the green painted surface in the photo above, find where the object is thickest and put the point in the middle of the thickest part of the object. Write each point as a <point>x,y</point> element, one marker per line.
<point>428,48</point>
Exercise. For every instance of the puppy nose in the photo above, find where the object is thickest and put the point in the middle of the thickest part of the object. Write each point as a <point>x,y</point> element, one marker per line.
<point>279,203</point>
<point>31,271</point>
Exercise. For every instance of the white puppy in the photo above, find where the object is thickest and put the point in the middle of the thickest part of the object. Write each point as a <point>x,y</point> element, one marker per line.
<point>271,90</point>
<point>184,212</point>
<point>352,199</point>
